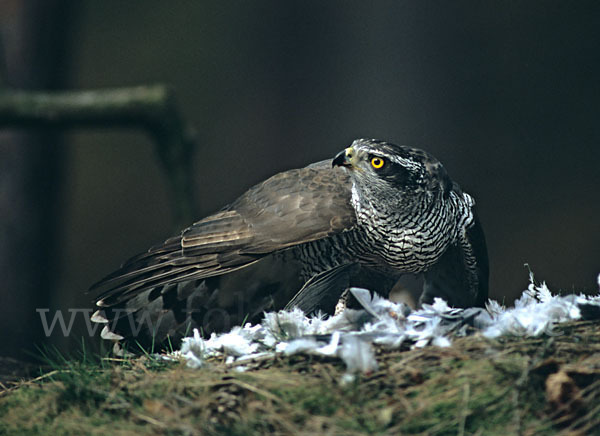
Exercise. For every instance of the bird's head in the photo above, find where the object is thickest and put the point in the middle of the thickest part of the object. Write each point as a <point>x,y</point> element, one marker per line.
<point>393,170</point>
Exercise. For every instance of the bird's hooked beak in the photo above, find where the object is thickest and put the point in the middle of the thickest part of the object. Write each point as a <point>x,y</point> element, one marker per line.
<point>344,158</point>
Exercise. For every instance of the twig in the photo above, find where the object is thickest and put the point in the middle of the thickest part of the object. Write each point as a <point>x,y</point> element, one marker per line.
<point>149,420</point>
<point>255,389</point>
<point>465,411</point>
<point>34,380</point>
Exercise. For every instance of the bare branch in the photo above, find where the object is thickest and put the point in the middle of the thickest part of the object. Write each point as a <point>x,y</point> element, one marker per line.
<point>151,108</point>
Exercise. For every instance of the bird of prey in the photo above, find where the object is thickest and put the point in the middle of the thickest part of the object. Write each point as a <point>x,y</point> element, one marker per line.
<point>300,239</point>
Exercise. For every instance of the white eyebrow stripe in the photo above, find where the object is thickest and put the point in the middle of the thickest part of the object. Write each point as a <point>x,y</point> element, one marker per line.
<point>406,163</point>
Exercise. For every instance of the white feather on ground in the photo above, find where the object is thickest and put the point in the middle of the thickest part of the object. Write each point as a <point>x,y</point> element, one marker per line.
<point>350,334</point>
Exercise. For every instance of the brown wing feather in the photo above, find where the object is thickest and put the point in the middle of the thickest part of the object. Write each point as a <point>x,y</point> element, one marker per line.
<point>290,208</point>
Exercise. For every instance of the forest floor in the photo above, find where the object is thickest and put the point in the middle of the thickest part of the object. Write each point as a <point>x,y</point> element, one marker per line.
<point>506,386</point>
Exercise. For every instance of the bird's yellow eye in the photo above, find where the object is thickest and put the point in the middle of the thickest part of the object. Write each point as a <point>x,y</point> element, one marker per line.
<point>377,162</point>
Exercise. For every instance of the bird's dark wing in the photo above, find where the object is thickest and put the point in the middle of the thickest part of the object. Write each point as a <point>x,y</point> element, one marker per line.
<point>461,275</point>
<point>323,290</point>
<point>288,209</point>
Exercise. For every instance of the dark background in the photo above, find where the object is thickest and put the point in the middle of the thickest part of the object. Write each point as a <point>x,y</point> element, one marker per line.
<point>505,93</point>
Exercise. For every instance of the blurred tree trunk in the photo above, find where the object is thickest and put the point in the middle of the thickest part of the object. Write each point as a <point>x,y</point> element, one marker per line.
<point>33,54</point>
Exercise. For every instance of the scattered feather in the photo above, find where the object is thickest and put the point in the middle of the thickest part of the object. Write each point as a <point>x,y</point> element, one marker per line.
<point>350,335</point>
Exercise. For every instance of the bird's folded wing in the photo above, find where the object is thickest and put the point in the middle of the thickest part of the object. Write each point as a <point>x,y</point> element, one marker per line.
<point>290,208</point>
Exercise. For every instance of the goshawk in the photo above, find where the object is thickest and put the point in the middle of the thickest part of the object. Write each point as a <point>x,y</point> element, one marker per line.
<point>301,238</point>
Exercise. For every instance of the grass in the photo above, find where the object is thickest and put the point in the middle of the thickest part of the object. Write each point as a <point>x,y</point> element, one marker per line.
<point>476,386</point>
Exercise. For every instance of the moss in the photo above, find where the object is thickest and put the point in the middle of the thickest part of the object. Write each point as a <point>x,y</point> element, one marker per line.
<point>476,386</point>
